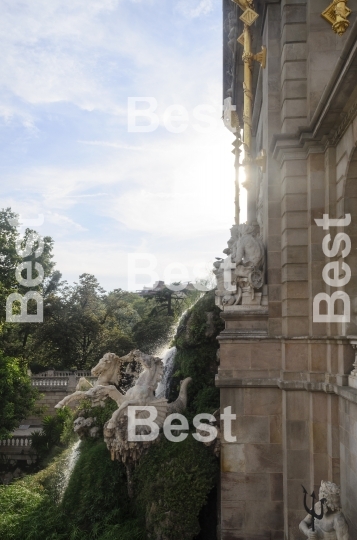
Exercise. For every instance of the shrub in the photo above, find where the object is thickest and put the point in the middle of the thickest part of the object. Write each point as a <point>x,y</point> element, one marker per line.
<point>51,433</point>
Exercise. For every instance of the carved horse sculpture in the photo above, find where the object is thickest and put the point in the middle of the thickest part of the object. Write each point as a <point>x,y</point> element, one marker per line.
<point>108,371</point>
<point>142,393</point>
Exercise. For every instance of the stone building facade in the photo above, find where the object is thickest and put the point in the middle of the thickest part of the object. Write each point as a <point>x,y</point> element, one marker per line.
<point>285,369</point>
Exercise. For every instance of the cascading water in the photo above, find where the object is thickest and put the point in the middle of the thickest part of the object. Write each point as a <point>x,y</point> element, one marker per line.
<point>168,358</point>
<point>66,468</point>
<point>169,362</point>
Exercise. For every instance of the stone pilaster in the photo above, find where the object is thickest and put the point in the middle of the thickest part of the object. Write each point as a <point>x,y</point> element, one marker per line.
<point>293,65</point>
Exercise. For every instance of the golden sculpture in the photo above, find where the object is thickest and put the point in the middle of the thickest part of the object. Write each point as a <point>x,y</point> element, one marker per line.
<point>244,4</point>
<point>337,14</point>
<point>249,16</point>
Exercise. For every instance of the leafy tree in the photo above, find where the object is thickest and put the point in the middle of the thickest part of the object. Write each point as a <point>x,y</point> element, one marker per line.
<point>82,323</point>
<point>12,253</point>
<point>14,337</point>
<point>171,302</point>
<point>153,332</point>
<point>17,397</point>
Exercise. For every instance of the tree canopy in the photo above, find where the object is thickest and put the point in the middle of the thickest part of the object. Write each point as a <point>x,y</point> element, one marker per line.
<point>81,321</point>
<point>17,397</point>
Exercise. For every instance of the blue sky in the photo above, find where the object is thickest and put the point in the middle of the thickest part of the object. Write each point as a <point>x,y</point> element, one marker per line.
<point>68,69</point>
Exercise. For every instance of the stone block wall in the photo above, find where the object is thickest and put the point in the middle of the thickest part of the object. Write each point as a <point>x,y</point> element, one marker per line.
<point>50,398</point>
<point>252,467</point>
<point>348,452</point>
<point>296,416</point>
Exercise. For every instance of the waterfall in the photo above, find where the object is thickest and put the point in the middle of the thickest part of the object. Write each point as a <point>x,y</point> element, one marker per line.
<point>169,363</point>
<point>168,357</point>
<point>66,467</point>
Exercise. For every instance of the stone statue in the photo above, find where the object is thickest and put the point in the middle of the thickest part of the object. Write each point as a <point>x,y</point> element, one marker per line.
<point>142,393</point>
<point>333,525</point>
<point>108,371</point>
<point>247,251</point>
<point>244,266</point>
<point>116,429</point>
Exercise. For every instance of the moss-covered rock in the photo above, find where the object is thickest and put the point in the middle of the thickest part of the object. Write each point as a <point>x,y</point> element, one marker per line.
<point>197,346</point>
<point>173,482</point>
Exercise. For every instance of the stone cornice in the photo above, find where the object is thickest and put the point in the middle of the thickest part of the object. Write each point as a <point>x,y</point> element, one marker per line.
<point>230,336</point>
<point>348,393</point>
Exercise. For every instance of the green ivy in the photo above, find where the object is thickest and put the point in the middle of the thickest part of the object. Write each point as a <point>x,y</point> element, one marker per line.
<point>172,482</point>
<point>197,346</point>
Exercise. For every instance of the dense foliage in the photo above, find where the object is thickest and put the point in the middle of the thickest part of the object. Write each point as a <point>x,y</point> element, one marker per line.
<point>197,349</point>
<point>95,504</point>
<point>17,397</point>
<point>170,300</point>
<point>173,482</point>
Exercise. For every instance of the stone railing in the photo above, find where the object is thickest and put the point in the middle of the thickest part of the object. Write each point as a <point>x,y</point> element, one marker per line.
<point>49,382</point>
<point>91,379</point>
<point>24,441</point>
<point>53,373</point>
<point>60,379</point>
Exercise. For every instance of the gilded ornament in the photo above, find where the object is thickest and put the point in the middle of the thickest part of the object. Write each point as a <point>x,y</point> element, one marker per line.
<point>241,39</point>
<point>249,16</point>
<point>244,4</point>
<point>261,57</point>
<point>337,15</point>
<point>261,161</point>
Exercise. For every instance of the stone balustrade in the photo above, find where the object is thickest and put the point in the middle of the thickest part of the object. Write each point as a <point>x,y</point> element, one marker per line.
<point>53,373</point>
<point>60,379</point>
<point>53,382</point>
<point>53,387</point>
<point>24,441</point>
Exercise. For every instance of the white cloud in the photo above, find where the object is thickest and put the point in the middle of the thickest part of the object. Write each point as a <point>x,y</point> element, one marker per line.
<point>167,194</point>
<point>88,54</point>
<point>110,144</point>
<point>63,222</point>
<point>196,8</point>
<point>173,185</point>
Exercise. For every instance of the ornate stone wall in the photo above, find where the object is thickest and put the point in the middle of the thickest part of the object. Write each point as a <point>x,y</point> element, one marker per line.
<point>286,375</point>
